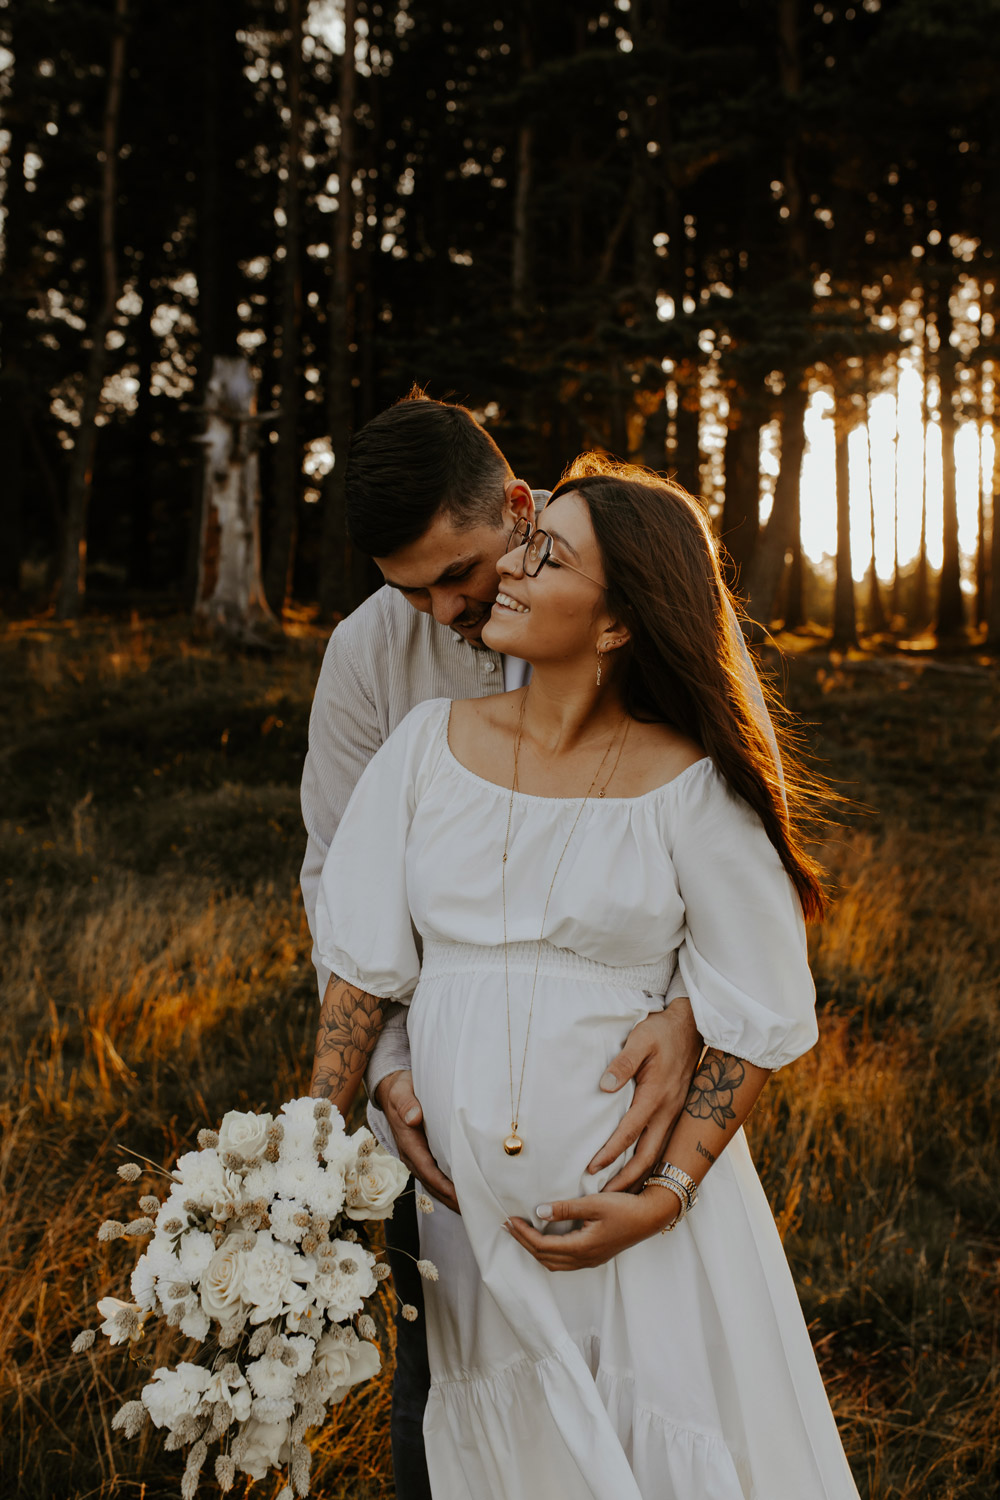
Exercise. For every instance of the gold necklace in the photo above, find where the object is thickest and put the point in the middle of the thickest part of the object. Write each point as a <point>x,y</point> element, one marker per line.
<point>513,1143</point>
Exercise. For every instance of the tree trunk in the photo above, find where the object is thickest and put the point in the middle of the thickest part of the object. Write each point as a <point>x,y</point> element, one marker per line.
<point>951,607</point>
<point>335,588</point>
<point>845,628</point>
<point>982,536</point>
<point>896,603</point>
<point>74,555</point>
<point>875,612</point>
<point>921,572</point>
<point>772,548</point>
<point>520,260</point>
<point>141,432</point>
<point>741,508</point>
<point>286,464</point>
<point>993,611</point>
<point>230,597</point>
<point>794,612</point>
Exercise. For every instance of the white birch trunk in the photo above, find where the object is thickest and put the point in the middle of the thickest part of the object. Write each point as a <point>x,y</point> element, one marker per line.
<point>230,597</point>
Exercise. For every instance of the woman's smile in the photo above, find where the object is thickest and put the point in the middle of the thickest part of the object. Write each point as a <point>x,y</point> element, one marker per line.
<point>505,601</point>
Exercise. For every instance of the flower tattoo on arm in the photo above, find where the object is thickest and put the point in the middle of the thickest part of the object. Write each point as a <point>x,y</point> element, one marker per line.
<point>349,1024</point>
<point>713,1087</point>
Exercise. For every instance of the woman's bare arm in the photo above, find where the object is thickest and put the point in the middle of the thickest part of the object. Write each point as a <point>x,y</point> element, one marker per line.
<point>349,1024</point>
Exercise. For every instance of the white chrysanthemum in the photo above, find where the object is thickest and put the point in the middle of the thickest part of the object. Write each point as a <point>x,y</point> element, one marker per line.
<point>173,1394</point>
<point>262,1181</point>
<point>195,1323</point>
<point>374,1184</point>
<point>196,1251</point>
<point>276,1279</point>
<point>342,1360</point>
<point>283,1226</point>
<point>299,1130</point>
<point>265,1446</point>
<point>271,1378</point>
<point>172,1207</point>
<point>157,1263</point>
<point>343,1290</point>
<point>245,1133</point>
<point>202,1175</point>
<point>327,1190</point>
<point>303,1348</point>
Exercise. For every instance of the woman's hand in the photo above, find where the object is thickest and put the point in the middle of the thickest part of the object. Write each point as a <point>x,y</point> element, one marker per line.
<point>611,1222</point>
<point>401,1107</point>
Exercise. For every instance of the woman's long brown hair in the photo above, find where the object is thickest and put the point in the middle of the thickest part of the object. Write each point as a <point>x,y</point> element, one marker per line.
<point>683,667</point>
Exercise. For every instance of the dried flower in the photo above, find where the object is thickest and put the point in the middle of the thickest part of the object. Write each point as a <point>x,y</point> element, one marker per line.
<point>129,1418</point>
<point>173,1226</point>
<point>195,1459</point>
<point>111,1230</point>
<point>136,1228</point>
<point>322,1109</point>
<point>428,1270</point>
<point>225,1471</point>
<point>208,1139</point>
<point>286,1493</point>
<point>366,1326</point>
<point>351,1235</point>
<point>309,1243</point>
<point>301,1463</point>
<point>130,1171</point>
<point>149,1204</point>
<point>234,1161</point>
<point>382,1272</point>
<point>259,1340</point>
<point>83,1341</point>
<point>409,1312</point>
<point>425,1204</point>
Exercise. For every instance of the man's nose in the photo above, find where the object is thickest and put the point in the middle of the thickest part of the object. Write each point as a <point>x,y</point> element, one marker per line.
<point>446,605</point>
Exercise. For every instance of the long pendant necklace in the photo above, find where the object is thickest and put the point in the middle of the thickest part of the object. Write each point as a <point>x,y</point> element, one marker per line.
<point>513,1144</point>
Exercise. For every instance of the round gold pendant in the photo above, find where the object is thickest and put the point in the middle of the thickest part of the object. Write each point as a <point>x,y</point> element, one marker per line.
<point>512,1145</point>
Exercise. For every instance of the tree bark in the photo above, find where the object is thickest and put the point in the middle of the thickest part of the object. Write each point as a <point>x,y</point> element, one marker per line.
<point>770,557</point>
<point>741,508</point>
<point>335,590</point>
<point>845,628</point>
<point>993,610</point>
<point>951,606</point>
<point>72,584</point>
<point>921,572</point>
<point>286,464</point>
<point>230,597</point>
<point>896,602</point>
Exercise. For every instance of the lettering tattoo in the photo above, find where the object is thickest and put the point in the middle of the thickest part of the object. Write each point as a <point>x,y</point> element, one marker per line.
<point>704,1151</point>
<point>349,1024</point>
<point>713,1087</point>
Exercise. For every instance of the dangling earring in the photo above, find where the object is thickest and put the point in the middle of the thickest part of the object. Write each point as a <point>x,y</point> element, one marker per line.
<point>599,666</point>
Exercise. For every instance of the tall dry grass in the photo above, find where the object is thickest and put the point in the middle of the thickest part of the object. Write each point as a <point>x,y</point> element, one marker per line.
<point>156,973</point>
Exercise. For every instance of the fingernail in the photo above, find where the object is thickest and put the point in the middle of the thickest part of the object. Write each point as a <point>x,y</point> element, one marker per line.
<point>412,1115</point>
<point>544,1211</point>
<point>609,1082</point>
<point>505,1224</point>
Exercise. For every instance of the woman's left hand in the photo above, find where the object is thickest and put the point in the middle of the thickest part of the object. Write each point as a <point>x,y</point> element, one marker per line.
<point>610,1223</point>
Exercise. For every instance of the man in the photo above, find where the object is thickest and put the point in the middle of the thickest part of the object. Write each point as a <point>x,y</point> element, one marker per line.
<point>431,498</point>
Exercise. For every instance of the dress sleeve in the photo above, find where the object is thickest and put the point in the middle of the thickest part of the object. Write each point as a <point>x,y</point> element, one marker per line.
<point>743,957</point>
<point>364,932</point>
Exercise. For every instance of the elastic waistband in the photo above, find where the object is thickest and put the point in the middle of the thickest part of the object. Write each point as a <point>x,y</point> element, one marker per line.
<point>459,958</point>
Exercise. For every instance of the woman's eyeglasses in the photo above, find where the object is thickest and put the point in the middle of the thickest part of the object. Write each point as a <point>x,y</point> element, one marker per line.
<point>537,546</point>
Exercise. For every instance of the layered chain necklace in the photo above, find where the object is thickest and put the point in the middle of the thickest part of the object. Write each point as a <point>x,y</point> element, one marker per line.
<point>513,1143</point>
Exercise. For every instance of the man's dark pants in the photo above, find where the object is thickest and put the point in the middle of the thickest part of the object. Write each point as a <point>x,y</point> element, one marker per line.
<point>412,1378</point>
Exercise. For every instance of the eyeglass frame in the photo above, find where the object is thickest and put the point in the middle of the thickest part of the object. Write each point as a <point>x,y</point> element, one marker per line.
<point>516,540</point>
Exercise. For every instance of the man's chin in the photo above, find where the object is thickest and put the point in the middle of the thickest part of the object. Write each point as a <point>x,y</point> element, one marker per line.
<point>473,633</point>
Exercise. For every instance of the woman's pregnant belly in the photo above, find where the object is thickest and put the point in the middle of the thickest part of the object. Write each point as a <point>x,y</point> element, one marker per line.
<point>467,1064</point>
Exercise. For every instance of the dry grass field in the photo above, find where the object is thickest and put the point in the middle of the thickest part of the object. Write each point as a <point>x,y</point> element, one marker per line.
<point>156,972</point>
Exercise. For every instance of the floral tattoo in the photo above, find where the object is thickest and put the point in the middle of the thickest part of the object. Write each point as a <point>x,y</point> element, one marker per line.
<point>349,1024</point>
<point>713,1087</point>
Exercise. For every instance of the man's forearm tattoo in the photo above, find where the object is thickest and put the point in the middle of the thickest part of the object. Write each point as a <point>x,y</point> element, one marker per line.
<point>704,1151</point>
<point>713,1087</point>
<point>349,1024</point>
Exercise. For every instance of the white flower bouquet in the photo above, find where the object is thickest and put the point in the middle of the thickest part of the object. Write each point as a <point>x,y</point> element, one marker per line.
<point>254,1256</point>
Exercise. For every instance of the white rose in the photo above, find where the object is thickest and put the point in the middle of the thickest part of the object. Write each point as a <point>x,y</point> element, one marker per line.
<point>245,1133</point>
<point>172,1394</point>
<point>265,1446</point>
<point>343,1360</point>
<point>374,1184</point>
<point>222,1283</point>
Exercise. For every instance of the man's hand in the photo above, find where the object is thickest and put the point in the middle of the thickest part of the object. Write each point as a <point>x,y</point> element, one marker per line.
<point>661,1054</point>
<point>401,1107</point>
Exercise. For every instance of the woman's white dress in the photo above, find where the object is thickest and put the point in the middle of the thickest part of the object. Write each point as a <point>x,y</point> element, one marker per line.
<point>681,1370</point>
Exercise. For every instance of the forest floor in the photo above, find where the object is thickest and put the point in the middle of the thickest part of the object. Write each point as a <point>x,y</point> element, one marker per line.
<point>156,973</point>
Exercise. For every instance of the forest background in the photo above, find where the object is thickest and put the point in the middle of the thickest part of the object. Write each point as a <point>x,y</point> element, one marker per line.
<point>754,245</point>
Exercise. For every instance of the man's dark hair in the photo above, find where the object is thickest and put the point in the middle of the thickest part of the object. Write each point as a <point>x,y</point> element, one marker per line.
<point>413,461</point>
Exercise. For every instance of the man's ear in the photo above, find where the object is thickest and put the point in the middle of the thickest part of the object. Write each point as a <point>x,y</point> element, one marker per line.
<point>518,502</point>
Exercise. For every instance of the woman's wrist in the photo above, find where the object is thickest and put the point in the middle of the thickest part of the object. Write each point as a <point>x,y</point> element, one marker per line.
<point>664,1207</point>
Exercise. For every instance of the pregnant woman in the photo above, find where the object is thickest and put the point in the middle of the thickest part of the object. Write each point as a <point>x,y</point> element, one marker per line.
<point>534,873</point>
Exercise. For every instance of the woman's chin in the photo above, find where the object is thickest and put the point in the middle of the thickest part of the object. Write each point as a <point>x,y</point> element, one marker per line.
<point>504,632</point>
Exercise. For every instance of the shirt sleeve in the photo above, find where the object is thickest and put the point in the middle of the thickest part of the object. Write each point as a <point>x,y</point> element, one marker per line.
<point>344,734</point>
<point>364,932</point>
<point>743,957</point>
